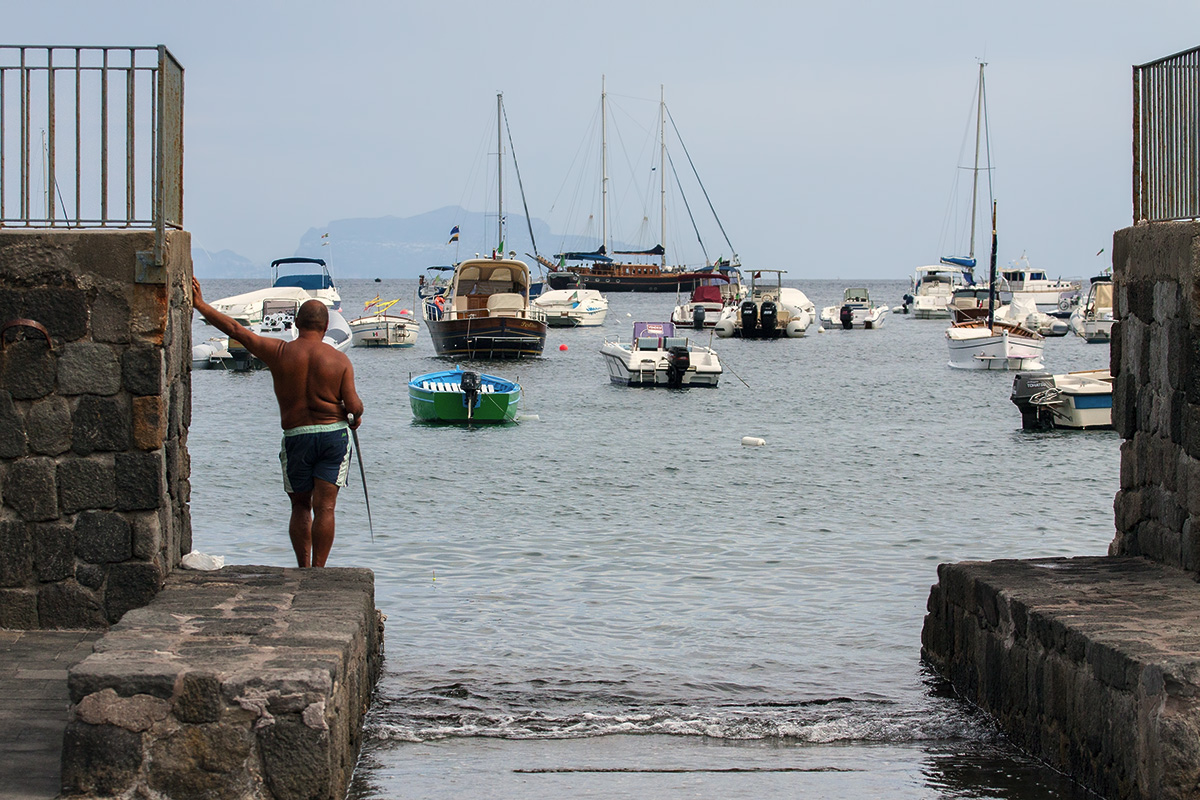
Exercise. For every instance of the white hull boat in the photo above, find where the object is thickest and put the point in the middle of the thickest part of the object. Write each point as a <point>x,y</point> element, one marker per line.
<point>768,312</point>
<point>856,311</point>
<point>571,308</point>
<point>1034,284</point>
<point>655,356</point>
<point>384,330</point>
<point>222,353</point>
<point>933,291</point>
<point>1093,318</point>
<point>1079,400</point>
<point>1002,345</point>
<point>296,288</point>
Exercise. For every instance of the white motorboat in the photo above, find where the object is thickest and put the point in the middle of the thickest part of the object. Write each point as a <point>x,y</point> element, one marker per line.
<point>770,310</point>
<point>278,322</point>
<point>247,308</point>
<point>856,311</point>
<point>655,356</point>
<point>1021,280</point>
<point>933,291</point>
<point>1022,311</point>
<point>1077,400</point>
<point>570,308</point>
<point>702,310</point>
<point>1093,318</point>
<point>382,329</point>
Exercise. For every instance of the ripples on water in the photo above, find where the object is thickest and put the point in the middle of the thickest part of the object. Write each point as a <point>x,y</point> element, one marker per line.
<point>624,566</point>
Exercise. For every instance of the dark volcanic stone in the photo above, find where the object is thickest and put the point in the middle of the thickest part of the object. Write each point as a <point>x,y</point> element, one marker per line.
<point>101,424</point>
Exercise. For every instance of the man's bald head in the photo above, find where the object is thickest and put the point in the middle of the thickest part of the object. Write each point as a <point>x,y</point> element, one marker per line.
<point>313,316</point>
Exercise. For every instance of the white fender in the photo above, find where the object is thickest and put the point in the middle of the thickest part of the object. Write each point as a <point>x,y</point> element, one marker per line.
<point>797,326</point>
<point>753,441</point>
<point>724,328</point>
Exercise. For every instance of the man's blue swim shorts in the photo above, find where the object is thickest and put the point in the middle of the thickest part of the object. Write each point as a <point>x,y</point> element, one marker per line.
<point>315,451</point>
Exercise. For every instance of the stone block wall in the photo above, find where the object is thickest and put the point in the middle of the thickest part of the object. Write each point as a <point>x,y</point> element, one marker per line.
<point>93,425</point>
<point>1156,393</point>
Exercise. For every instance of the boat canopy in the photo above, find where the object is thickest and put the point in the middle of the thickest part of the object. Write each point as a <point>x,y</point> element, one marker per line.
<point>707,294</point>
<point>489,277</point>
<point>309,283</point>
<point>959,261</point>
<point>657,250</point>
<point>596,255</point>
<point>641,329</point>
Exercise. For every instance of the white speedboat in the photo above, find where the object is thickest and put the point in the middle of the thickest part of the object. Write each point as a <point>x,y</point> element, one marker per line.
<point>702,310</point>
<point>1021,279</point>
<point>770,310</point>
<point>1022,311</point>
<point>655,356</point>
<point>856,311</point>
<point>382,329</point>
<point>1093,318</point>
<point>570,308</point>
<point>933,291</point>
<point>278,322</point>
<point>1072,400</point>
<point>247,308</point>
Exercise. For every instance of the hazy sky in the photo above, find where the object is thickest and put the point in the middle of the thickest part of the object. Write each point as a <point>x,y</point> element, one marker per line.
<point>829,135</point>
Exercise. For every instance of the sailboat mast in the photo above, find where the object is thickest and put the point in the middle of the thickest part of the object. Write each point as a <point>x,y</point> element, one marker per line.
<point>992,275</point>
<point>603,168</point>
<point>500,170</point>
<point>662,168</point>
<point>975,174</point>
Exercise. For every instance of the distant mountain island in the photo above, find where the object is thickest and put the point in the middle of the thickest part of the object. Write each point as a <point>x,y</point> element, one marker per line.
<point>395,247</point>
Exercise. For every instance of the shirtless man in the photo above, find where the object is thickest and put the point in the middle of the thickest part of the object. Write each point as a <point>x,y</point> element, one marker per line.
<point>314,385</point>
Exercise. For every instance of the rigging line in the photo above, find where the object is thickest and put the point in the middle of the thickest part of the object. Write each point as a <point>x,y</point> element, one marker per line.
<point>688,206</point>
<point>520,185</point>
<point>697,174</point>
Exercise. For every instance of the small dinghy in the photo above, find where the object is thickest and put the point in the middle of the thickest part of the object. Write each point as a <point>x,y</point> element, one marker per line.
<point>456,395</point>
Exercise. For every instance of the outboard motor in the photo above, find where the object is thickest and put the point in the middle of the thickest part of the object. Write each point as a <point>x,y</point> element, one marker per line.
<point>768,318</point>
<point>470,384</point>
<point>1033,394</point>
<point>698,313</point>
<point>678,361</point>
<point>749,318</point>
<point>847,317</point>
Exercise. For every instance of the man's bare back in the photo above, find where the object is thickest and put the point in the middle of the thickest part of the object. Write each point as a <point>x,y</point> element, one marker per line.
<point>314,383</point>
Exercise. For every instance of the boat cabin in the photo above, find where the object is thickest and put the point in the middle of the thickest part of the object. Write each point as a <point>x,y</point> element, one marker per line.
<point>656,336</point>
<point>308,281</point>
<point>856,295</point>
<point>486,287</point>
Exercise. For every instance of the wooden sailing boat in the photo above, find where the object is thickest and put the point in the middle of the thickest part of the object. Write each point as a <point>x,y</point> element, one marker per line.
<point>598,269</point>
<point>989,343</point>
<point>486,313</point>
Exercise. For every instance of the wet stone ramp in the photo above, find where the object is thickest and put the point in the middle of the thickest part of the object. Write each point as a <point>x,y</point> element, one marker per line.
<point>245,682</point>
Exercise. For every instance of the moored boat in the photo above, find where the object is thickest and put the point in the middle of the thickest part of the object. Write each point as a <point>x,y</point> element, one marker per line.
<point>247,308</point>
<point>382,329</point>
<point>933,291</point>
<point>278,322</point>
<point>458,395</point>
<point>769,310</point>
<point>857,310</point>
<point>655,356</point>
<point>1078,400</point>
<point>571,308</point>
<point>1093,318</point>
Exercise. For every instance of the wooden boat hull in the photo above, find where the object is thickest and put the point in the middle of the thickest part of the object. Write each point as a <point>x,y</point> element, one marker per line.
<point>638,278</point>
<point>438,397</point>
<point>487,337</point>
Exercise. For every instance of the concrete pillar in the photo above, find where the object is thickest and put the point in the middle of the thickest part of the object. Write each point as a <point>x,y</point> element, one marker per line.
<point>93,424</point>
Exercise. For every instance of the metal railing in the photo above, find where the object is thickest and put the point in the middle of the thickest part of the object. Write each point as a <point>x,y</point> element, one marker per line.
<point>67,115</point>
<point>1166,138</point>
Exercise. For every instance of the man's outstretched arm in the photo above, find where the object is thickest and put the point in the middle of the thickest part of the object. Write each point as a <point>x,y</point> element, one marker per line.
<point>227,325</point>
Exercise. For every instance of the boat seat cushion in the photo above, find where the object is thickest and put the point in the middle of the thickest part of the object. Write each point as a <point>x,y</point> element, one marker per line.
<point>505,301</point>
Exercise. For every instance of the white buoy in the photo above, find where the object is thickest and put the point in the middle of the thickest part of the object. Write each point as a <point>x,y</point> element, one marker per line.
<point>753,441</point>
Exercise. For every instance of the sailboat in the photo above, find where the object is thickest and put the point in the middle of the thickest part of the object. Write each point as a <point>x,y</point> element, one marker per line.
<point>486,311</point>
<point>988,342</point>
<point>597,268</point>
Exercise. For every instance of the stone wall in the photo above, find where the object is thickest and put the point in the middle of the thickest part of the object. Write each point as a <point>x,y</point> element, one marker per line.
<point>93,425</point>
<point>245,682</point>
<point>1156,396</point>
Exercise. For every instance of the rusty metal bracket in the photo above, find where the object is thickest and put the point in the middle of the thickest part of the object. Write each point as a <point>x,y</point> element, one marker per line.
<point>24,323</point>
<point>148,271</point>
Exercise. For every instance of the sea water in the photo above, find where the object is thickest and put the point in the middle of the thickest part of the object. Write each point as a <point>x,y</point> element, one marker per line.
<point>615,598</point>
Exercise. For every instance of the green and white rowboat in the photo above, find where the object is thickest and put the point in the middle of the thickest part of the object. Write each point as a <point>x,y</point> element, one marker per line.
<point>456,395</point>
